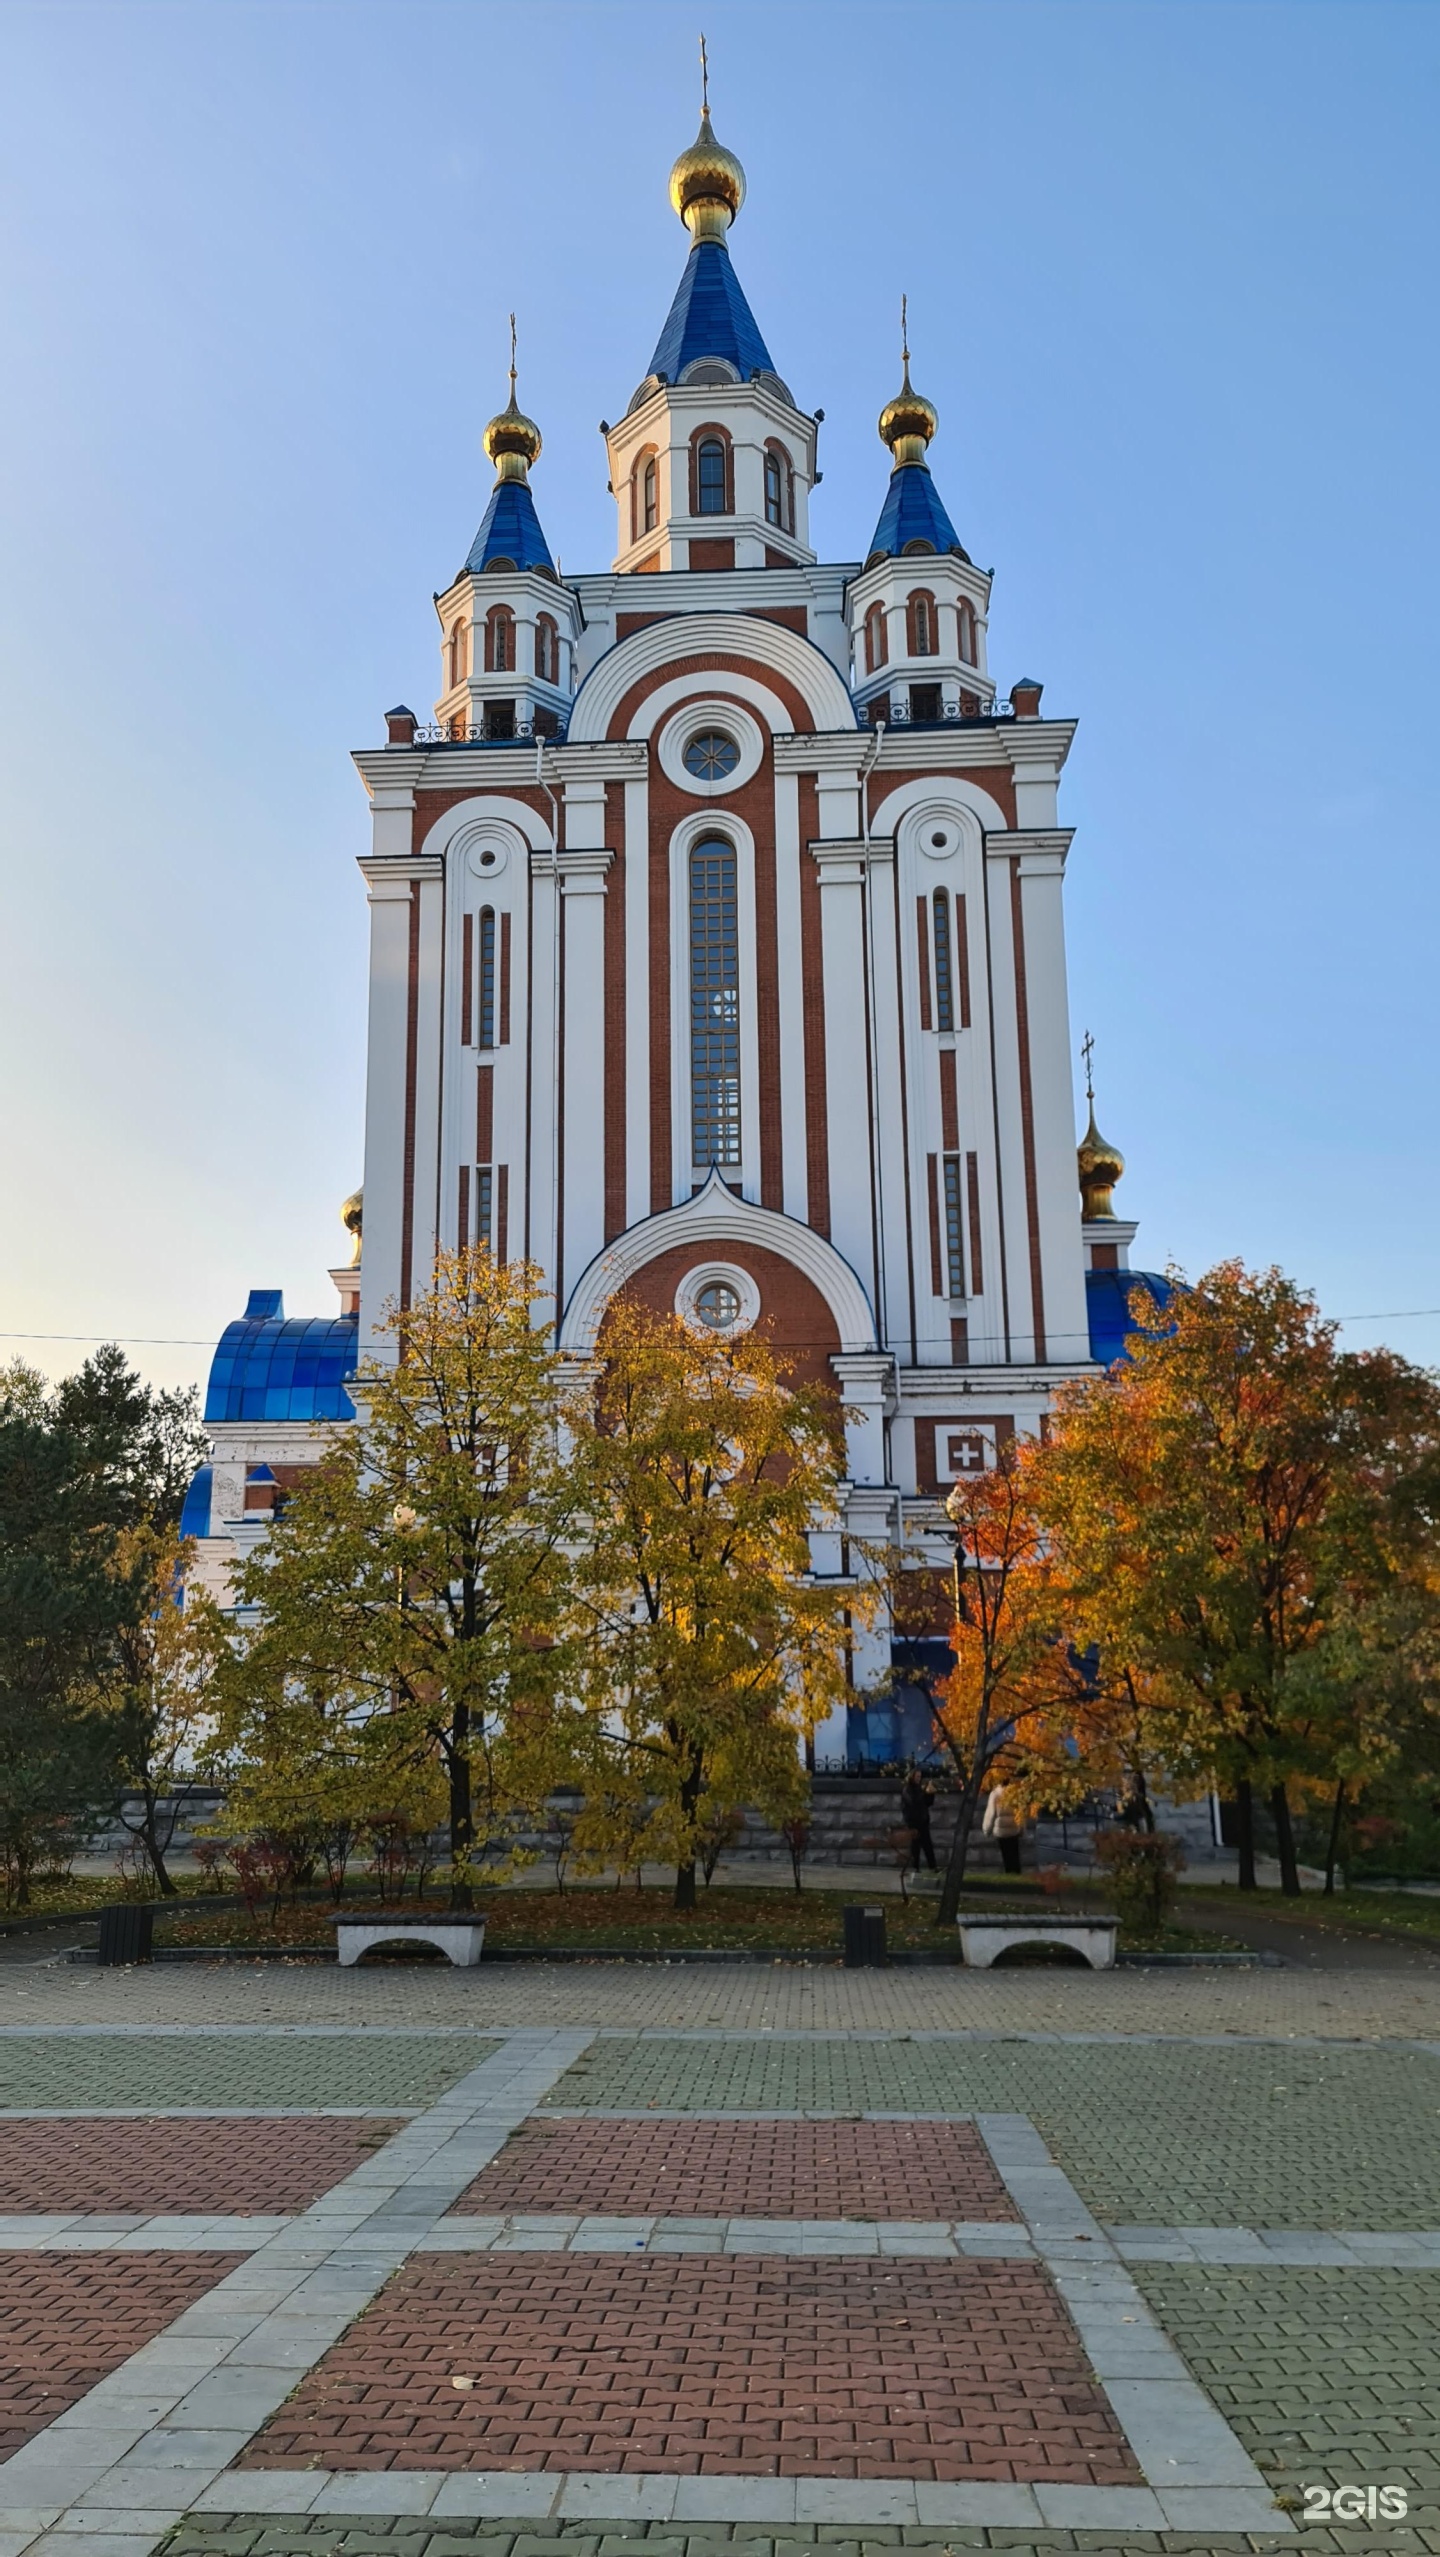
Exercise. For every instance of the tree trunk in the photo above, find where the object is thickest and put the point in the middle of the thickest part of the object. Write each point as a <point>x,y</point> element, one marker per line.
<point>153,1848</point>
<point>1245,1825</point>
<point>948,1906</point>
<point>691,1787</point>
<point>1285,1841</point>
<point>462,1816</point>
<point>1333,1849</point>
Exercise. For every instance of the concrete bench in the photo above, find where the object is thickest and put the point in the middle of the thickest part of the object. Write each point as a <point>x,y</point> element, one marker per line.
<point>981,1938</point>
<point>459,1938</point>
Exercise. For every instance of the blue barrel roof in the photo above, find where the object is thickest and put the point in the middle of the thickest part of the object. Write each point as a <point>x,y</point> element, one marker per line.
<point>1107,1298</point>
<point>266,1369</point>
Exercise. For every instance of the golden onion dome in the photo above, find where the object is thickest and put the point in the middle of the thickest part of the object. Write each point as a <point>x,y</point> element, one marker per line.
<point>707,185</point>
<point>352,1217</point>
<point>908,421</point>
<point>1100,1167</point>
<point>512,440</point>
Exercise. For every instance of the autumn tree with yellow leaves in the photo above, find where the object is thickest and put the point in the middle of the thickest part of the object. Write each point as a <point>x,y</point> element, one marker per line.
<point>701,1648</point>
<point>409,1594</point>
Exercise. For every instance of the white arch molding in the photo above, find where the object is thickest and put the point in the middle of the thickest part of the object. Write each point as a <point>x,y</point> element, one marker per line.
<point>939,794</point>
<point>717,1216</point>
<point>742,636</point>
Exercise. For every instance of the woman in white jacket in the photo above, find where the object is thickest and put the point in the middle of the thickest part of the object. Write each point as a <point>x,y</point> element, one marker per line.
<point>1002,1823</point>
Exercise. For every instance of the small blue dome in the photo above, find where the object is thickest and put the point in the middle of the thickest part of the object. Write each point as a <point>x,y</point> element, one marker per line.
<point>266,1369</point>
<point>511,531</point>
<point>912,512</point>
<point>710,316</point>
<point>1107,1299</point>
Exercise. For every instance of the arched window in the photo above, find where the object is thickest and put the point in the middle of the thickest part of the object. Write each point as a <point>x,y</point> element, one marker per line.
<point>921,615</point>
<point>944,964</point>
<point>547,650</point>
<point>712,494</point>
<point>455,655</point>
<point>967,630</point>
<point>714,1004</point>
<point>779,489</point>
<point>650,496</point>
<point>499,640</point>
<point>485,1037</point>
<point>876,651</point>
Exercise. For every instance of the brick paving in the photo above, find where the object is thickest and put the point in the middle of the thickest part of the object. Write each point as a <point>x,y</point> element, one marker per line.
<point>68,2320</point>
<point>1170,2132</point>
<point>709,2366</point>
<point>765,2170</point>
<point>226,2069</point>
<point>130,2164</point>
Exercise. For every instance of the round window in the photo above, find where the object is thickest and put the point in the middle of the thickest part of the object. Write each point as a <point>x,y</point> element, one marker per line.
<point>718,1305</point>
<point>711,756</point>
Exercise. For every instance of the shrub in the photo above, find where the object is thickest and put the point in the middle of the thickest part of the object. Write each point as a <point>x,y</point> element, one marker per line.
<point>1143,1868</point>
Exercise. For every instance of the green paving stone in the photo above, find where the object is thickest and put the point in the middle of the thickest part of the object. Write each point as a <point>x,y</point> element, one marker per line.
<point>105,2070</point>
<point>1296,2409</point>
<point>1164,2133</point>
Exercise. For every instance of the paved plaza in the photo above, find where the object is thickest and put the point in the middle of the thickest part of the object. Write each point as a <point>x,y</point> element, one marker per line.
<point>575,2261</point>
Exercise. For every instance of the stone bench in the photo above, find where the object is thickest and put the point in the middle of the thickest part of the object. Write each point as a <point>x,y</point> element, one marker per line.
<point>459,1938</point>
<point>983,1937</point>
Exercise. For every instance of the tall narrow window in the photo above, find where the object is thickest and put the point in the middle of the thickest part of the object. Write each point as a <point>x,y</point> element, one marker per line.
<point>954,1248</point>
<point>710,478</point>
<point>924,627</point>
<point>944,964</point>
<point>484,1207</point>
<point>650,495</point>
<point>876,651</point>
<point>774,491</point>
<point>967,631</point>
<point>486,1035</point>
<point>714,1005</point>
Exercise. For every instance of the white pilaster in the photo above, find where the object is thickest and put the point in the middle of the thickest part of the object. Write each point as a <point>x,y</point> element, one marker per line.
<point>842,944</point>
<point>582,883</point>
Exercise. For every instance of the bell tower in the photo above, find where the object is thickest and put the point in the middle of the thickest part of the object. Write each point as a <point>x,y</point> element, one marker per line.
<point>919,608</point>
<point>508,627</point>
<point>712,465</point>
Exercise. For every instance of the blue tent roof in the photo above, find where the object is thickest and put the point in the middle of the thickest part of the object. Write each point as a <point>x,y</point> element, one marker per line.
<point>266,1369</point>
<point>710,316</point>
<point>1107,1298</point>
<point>912,512</point>
<point>511,530</point>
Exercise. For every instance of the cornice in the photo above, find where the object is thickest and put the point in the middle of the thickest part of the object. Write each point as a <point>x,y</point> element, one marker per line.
<point>395,870</point>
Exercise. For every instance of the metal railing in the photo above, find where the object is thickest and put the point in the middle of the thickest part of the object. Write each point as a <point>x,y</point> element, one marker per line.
<point>450,733</point>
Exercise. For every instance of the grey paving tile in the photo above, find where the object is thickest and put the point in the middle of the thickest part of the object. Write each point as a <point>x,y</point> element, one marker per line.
<point>496,2492</point>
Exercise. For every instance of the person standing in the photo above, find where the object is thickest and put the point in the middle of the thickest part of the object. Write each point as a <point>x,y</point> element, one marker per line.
<point>916,1803</point>
<point>1003,1824</point>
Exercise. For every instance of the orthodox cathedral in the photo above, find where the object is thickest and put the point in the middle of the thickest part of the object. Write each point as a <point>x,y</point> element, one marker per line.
<point>717,951</point>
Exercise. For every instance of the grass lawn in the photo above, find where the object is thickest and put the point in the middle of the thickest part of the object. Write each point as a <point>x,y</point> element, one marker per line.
<point>1373,1913</point>
<point>729,1919</point>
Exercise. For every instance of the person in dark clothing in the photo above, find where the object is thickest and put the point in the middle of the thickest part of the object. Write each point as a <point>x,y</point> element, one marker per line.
<point>916,1801</point>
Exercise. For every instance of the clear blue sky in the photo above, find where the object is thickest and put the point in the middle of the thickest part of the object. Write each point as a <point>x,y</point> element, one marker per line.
<point>1171,272</point>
